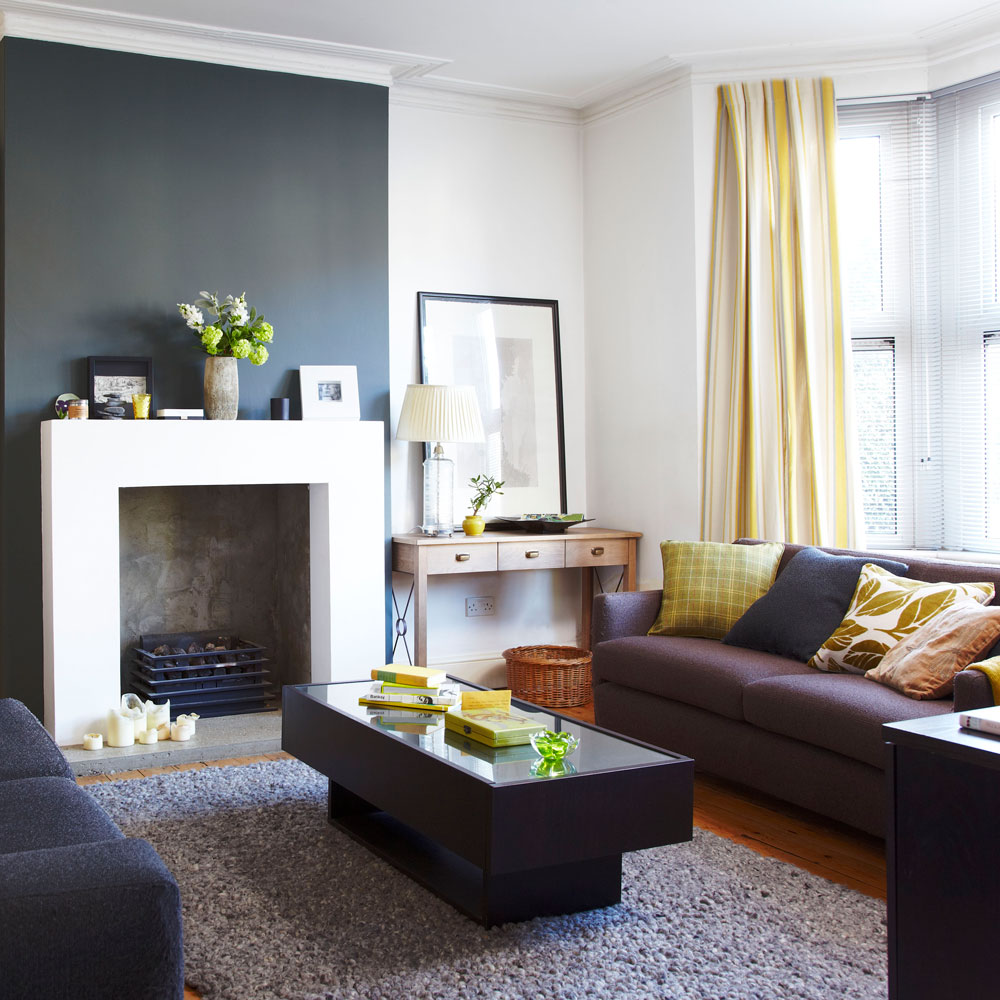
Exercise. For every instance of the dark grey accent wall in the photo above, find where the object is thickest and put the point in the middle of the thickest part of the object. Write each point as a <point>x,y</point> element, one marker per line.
<point>131,183</point>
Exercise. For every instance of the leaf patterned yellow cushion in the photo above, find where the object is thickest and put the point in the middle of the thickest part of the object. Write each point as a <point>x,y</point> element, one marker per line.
<point>885,609</point>
<point>707,586</point>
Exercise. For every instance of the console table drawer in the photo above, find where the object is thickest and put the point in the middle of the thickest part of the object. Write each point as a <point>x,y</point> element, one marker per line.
<point>583,552</point>
<point>461,558</point>
<point>531,554</point>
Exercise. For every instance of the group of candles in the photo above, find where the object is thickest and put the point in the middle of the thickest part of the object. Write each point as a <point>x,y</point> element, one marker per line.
<point>134,722</point>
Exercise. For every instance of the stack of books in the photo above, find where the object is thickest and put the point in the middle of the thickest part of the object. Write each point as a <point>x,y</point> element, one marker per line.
<point>418,689</point>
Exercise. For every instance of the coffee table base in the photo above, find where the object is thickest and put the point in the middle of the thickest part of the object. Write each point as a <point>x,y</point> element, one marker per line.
<point>487,897</point>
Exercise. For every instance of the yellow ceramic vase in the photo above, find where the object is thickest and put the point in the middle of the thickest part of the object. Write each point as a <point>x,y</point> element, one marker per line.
<point>474,524</point>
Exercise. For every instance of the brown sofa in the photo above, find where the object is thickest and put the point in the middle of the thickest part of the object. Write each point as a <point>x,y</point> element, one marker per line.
<point>774,724</point>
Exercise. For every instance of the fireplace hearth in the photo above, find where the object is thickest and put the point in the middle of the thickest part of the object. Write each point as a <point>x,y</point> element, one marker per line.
<point>204,672</point>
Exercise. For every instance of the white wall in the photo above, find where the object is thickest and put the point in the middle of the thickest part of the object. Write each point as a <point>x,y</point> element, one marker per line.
<point>482,204</point>
<point>642,341</point>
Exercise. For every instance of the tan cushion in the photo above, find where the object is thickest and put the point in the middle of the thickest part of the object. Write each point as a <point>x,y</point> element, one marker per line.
<point>924,664</point>
<point>708,585</point>
<point>884,610</point>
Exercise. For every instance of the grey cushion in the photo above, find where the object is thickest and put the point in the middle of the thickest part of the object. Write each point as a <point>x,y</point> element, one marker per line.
<point>840,712</point>
<point>91,920</point>
<point>26,749</point>
<point>37,813</point>
<point>699,672</point>
<point>804,605</point>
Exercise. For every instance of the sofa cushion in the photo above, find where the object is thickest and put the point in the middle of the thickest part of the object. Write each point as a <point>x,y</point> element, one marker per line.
<point>708,585</point>
<point>884,609</point>
<point>26,749</point>
<point>805,604</point>
<point>924,664</point>
<point>38,813</point>
<point>699,672</point>
<point>840,712</point>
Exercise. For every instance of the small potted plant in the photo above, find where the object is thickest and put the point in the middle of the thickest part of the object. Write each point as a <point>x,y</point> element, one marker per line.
<point>484,486</point>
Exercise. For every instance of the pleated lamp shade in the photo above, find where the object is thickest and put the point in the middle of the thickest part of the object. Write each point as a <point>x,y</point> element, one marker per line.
<point>440,413</point>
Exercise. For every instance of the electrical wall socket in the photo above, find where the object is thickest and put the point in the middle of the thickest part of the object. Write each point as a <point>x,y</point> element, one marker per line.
<point>475,606</point>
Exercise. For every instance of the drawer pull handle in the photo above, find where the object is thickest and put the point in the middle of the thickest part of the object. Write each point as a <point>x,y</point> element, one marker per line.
<point>462,557</point>
<point>597,550</point>
<point>531,554</point>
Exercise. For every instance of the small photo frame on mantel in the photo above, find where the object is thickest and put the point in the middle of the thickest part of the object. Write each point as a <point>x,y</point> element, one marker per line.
<point>329,392</point>
<point>124,376</point>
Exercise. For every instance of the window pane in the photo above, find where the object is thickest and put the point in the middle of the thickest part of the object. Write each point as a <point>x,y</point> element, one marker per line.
<point>991,379</point>
<point>859,181</point>
<point>875,413</point>
<point>995,164</point>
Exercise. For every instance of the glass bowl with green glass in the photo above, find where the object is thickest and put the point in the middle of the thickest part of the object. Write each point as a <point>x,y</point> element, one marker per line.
<point>552,746</point>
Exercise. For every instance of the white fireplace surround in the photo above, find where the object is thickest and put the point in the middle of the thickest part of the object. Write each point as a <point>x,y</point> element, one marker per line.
<point>86,462</point>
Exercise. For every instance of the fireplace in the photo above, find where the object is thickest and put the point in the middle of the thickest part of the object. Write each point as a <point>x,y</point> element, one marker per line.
<point>87,464</point>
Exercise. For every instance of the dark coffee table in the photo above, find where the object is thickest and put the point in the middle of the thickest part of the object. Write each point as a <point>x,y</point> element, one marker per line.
<point>474,825</point>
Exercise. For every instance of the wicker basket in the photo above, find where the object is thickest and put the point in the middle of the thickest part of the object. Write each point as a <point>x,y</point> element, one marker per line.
<point>553,676</point>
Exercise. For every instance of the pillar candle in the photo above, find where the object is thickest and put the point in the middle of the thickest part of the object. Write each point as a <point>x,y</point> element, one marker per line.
<point>189,720</point>
<point>163,732</point>
<point>93,741</point>
<point>148,736</point>
<point>157,715</point>
<point>133,707</point>
<point>181,731</point>
<point>121,731</point>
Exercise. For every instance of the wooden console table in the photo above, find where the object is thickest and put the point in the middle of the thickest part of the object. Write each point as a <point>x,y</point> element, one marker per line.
<point>502,551</point>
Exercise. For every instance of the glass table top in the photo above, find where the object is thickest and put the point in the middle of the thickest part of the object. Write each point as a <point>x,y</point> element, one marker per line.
<point>425,731</point>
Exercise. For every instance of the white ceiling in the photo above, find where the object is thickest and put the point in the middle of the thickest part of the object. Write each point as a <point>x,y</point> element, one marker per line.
<point>571,51</point>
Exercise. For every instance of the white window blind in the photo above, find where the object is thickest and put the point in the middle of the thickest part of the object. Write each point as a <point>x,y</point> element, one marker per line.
<point>924,313</point>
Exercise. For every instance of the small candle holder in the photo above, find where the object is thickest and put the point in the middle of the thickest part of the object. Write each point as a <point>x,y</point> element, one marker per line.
<point>78,409</point>
<point>140,405</point>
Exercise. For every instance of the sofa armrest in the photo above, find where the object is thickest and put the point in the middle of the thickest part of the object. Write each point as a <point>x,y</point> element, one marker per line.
<point>99,920</point>
<point>630,613</point>
<point>972,690</point>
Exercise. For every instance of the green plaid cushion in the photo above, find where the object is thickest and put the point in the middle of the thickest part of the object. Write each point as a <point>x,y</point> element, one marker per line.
<point>708,585</point>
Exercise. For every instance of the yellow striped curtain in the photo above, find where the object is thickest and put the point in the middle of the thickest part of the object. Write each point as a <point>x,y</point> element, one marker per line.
<point>778,458</point>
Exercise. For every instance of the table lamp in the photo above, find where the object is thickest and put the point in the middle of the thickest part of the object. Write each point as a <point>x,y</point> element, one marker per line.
<point>439,413</point>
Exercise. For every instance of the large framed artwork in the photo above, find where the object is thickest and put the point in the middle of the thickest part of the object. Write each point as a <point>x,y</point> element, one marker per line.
<point>508,350</point>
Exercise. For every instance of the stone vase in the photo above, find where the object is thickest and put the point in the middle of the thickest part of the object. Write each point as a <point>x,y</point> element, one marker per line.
<point>222,388</point>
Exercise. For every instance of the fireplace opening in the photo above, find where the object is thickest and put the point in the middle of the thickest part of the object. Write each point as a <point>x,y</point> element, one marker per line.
<point>214,595</point>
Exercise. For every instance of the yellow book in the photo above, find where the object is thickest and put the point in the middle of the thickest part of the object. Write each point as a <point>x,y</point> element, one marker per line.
<point>496,727</point>
<point>397,673</point>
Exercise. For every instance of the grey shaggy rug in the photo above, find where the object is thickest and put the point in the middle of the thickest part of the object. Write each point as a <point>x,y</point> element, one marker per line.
<point>279,904</point>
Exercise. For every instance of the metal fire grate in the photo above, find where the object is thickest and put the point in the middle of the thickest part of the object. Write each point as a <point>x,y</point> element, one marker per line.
<point>202,672</point>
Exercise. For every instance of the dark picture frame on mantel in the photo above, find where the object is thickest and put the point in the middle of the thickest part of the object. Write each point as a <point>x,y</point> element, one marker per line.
<point>508,350</point>
<point>117,374</point>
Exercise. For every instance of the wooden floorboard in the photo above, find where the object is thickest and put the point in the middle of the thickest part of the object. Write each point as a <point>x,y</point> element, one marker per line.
<point>762,823</point>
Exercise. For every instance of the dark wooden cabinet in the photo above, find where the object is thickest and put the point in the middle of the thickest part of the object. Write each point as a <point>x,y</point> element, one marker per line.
<point>943,863</point>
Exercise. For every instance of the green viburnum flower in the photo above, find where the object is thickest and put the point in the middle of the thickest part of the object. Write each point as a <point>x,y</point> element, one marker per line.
<point>241,349</point>
<point>258,355</point>
<point>264,333</point>
<point>211,336</point>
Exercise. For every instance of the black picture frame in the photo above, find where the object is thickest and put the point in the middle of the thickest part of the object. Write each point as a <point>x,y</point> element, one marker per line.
<point>126,375</point>
<point>486,341</point>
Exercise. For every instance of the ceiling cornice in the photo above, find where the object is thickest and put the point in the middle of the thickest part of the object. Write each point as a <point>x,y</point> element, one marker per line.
<point>415,81</point>
<point>52,22</point>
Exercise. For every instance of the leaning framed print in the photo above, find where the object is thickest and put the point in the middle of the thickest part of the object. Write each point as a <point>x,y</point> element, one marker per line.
<point>329,392</point>
<point>508,350</point>
<point>107,376</point>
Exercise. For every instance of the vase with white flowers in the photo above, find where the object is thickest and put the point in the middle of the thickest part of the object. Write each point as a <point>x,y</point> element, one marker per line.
<point>235,331</point>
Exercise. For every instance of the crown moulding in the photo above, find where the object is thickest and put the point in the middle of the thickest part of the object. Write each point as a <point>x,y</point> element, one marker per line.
<point>153,36</point>
<point>416,81</point>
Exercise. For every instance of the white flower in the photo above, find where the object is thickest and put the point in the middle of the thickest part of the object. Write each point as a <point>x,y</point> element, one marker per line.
<point>238,312</point>
<point>194,316</point>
